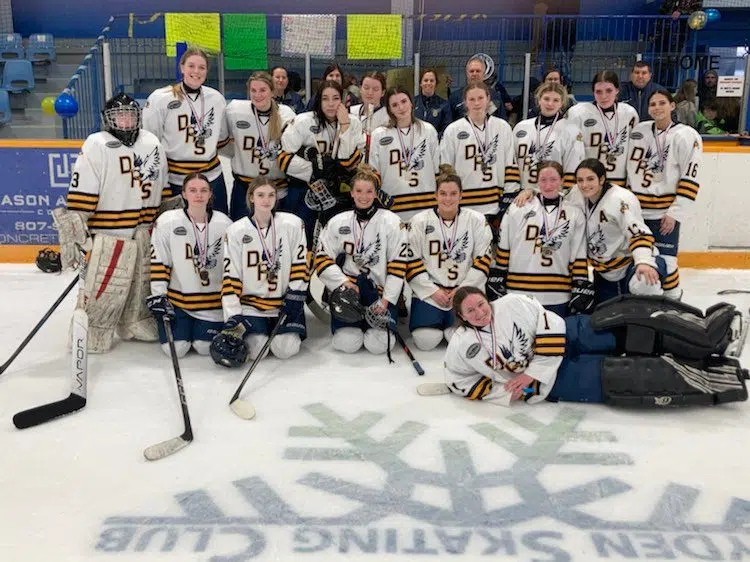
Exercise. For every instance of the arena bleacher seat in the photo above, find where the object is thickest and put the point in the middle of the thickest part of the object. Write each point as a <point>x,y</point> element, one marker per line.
<point>41,48</point>
<point>5,114</point>
<point>18,76</point>
<point>11,47</point>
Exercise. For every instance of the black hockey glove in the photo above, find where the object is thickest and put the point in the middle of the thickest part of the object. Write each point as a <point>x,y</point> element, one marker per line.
<point>495,287</point>
<point>160,307</point>
<point>582,297</point>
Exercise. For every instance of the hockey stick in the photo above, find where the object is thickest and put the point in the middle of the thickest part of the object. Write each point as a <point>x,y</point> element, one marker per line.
<point>171,446</point>
<point>33,332</point>
<point>733,292</point>
<point>417,367</point>
<point>243,408</point>
<point>432,389</point>
<point>77,398</point>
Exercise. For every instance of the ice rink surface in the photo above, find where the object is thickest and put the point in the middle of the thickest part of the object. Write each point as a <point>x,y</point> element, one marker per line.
<point>344,460</point>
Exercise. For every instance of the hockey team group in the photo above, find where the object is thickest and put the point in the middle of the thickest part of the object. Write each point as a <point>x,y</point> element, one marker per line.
<point>484,237</point>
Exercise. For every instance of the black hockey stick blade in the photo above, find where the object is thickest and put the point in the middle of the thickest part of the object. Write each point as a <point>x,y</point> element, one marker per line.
<point>49,412</point>
<point>733,292</point>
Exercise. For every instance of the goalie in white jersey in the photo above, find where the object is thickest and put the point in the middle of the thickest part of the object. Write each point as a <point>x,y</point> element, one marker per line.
<point>114,193</point>
<point>265,278</point>
<point>548,136</point>
<point>406,156</point>
<point>188,119</point>
<point>663,167</point>
<point>606,126</point>
<point>480,148</point>
<point>371,112</point>
<point>187,269</point>
<point>255,126</point>
<point>449,246</point>
<point>542,249</point>
<point>361,259</point>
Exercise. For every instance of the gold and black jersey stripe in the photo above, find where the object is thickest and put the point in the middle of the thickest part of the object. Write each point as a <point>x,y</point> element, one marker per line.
<point>415,202</point>
<point>649,201</point>
<point>194,301</point>
<point>610,265</point>
<point>160,272</point>
<point>481,196</point>
<point>622,182</point>
<point>502,258</point>
<point>481,389</point>
<point>299,272</point>
<point>223,143</point>
<point>322,262</point>
<point>688,188</point>
<point>569,180</point>
<point>129,218</point>
<point>86,202</point>
<point>414,268</point>
<point>284,159</point>
<point>186,167</point>
<point>537,282</point>
<point>352,161</point>
<point>261,303</point>
<point>482,263</point>
<point>641,241</point>
<point>671,281</point>
<point>579,268</point>
<point>231,286</point>
<point>512,174</point>
<point>396,268</point>
<point>549,344</point>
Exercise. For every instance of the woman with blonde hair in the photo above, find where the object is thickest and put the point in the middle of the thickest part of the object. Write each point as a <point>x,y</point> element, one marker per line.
<point>687,110</point>
<point>188,120</point>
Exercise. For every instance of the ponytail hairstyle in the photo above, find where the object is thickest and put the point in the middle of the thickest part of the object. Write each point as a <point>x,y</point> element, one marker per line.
<point>260,181</point>
<point>664,92</point>
<point>197,175</point>
<point>595,166</point>
<point>446,174</point>
<point>375,75</point>
<point>274,124</point>
<point>459,297</point>
<point>606,76</point>
<point>392,91</point>
<point>478,85</point>
<point>318,104</point>
<point>191,51</point>
<point>365,172</point>
<point>552,164</point>
<point>559,89</point>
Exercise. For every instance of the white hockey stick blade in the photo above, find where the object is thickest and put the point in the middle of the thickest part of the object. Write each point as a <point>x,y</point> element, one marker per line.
<point>732,292</point>
<point>165,448</point>
<point>243,409</point>
<point>432,389</point>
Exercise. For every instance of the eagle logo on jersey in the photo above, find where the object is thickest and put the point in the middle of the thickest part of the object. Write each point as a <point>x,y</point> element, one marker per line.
<point>213,253</point>
<point>416,157</point>
<point>370,255</point>
<point>556,236</point>
<point>204,130</point>
<point>619,147</point>
<point>539,154</point>
<point>489,157</point>
<point>596,243</point>
<point>516,357</point>
<point>458,250</point>
<point>655,163</point>
<point>151,163</point>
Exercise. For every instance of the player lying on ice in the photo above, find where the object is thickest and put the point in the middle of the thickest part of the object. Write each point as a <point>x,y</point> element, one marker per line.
<point>632,350</point>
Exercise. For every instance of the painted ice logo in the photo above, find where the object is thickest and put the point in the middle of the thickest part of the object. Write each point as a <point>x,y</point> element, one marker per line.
<point>60,165</point>
<point>511,508</point>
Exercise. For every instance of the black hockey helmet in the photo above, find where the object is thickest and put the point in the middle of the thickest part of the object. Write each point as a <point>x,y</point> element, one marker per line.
<point>345,306</point>
<point>227,350</point>
<point>122,118</point>
<point>48,261</point>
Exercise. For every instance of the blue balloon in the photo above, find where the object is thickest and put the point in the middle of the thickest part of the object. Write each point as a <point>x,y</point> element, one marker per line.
<point>66,106</point>
<point>713,14</point>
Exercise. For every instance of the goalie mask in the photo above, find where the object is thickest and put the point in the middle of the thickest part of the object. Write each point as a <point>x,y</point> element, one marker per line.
<point>122,119</point>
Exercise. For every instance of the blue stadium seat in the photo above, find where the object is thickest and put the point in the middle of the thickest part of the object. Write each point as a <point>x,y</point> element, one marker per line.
<point>4,107</point>
<point>11,46</point>
<point>18,75</point>
<point>41,48</point>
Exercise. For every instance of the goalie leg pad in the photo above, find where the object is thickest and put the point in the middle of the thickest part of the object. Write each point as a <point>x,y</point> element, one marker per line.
<point>668,381</point>
<point>106,286</point>
<point>71,230</point>
<point>136,321</point>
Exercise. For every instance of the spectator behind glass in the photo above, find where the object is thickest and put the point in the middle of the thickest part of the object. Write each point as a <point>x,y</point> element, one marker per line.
<point>637,91</point>
<point>475,69</point>
<point>430,107</point>
<point>685,100</point>
<point>708,122</point>
<point>282,93</point>
<point>707,88</point>
<point>333,72</point>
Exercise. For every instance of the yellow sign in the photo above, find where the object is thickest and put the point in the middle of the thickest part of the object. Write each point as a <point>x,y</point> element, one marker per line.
<point>373,36</point>
<point>199,30</point>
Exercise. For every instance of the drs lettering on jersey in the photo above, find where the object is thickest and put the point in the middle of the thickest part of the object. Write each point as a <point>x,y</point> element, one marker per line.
<point>532,235</point>
<point>250,144</point>
<point>533,171</point>
<point>471,153</point>
<point>411,177</point>
<point>442,257</point>
<point>253,261</point>
<point>183,124</point>
<point>136,179</point>
<point>192,258</point>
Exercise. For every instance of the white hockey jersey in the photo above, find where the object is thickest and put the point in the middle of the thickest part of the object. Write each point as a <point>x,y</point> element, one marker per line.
<point>664,177</point>
<point>191,129</point>
<point>407,164</point>
<point>118,186</point>
<point>561,142</point>
<point>484,159</point>
<point>447,255</point>
<point>616,235</point>
<point>345,148</point>
<point>255,283</point>
<point>543,248</point>
<point>378,248</point>
<point>606,140</point>
<point>378,118</point>
<point>180,251</point>
<point>527,339</point>
<point>252,152</point>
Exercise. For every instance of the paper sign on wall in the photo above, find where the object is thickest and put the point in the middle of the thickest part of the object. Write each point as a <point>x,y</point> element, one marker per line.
<point>730,86</point>
<point>200,30</point>
<point>314,34</point>
<point>373,36</point>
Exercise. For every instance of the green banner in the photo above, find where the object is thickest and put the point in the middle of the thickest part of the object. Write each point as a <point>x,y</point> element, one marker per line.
<point>245,43</point>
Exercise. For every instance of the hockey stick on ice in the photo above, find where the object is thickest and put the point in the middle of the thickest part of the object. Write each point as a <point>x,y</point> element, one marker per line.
<point>171,446</point>
<point>733,292</point>
<point>244,408</point>
<point>33,332</point>
<point>417,367</point>
<point>77,398</point>
<point>432,389</point>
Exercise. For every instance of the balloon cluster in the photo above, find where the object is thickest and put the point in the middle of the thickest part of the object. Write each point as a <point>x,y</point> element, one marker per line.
<point>64,105</point>
<point>699,19</point>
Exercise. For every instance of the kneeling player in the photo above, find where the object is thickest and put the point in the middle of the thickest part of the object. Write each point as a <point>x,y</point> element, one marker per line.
<point>186,269</point>
<point>114,193</point>
<point>449,247</point>
<point>265,275</point>
<point>362,261</point>
<point>513,349</point>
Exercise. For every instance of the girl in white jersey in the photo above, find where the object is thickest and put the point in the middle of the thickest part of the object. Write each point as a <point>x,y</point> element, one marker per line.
<point>265,276</point>
<point>371,112</point>
<point>186,269</point>
<point>449,247</point>
<point>548,136</point>
<point>480,148</point>
<point>606,125</point>
<point>188,119</point>
<point>255,126</point>
<point>405,154</point>
<point>663,167</point>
